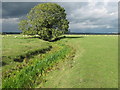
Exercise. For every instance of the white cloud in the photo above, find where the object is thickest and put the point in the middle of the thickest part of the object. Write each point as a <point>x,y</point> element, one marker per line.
<point>87,26</point>
<point>10,20</point>
<point>94,15</point>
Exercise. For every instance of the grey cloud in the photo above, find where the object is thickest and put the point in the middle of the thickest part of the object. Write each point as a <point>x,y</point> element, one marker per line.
<point>16,9</point>
<point>10,25</point>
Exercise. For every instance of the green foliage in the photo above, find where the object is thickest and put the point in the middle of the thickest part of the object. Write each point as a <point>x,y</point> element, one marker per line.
<point>48,20</point>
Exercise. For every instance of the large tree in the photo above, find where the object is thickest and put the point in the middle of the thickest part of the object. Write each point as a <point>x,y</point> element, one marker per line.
<point>48,20</point>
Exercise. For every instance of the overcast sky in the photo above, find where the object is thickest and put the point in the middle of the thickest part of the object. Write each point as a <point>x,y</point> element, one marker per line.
<point>97,17</point>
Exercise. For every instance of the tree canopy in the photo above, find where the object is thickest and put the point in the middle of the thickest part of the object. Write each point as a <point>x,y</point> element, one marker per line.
<point>48,20</point>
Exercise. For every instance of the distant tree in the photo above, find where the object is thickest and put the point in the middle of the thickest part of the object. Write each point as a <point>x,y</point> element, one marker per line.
<point>48,20</point>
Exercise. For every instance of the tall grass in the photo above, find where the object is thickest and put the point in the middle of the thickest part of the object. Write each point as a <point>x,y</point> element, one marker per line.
<point>27,76</point>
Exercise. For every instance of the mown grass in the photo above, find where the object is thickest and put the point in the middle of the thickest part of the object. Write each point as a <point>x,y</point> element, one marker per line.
<point>95,64</point>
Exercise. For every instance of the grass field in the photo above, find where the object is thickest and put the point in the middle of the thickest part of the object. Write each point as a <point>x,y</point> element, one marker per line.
<point>95,64</point>
<point>77,61</point>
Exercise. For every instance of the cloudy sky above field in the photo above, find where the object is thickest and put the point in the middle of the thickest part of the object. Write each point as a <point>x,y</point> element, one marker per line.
<point>89,17</point>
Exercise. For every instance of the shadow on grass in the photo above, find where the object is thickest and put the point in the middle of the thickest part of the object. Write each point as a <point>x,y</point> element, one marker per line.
<point>59,38</point>
<point>30,54</point>
<point>64,37</point>
<point>26,56</point>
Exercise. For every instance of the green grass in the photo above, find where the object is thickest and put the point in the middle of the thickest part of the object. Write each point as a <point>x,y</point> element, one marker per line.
<point>95,64</point>
<point>13,47</point>
<point>76,61</point>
